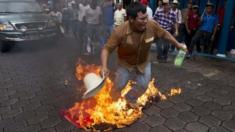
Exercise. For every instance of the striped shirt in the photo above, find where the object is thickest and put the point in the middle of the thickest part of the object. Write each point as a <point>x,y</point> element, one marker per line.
<point>165,20</point>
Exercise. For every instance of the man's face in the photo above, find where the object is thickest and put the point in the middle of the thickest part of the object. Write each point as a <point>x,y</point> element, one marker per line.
<point>140,21</point>
<point>174,6</point>
<point>166,7</point>
<point>209,9</point>
<point>119,6</point>
<point>159,3</point>
<point>195,10</point>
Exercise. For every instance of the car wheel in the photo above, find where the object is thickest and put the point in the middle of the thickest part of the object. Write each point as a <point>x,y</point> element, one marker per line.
<point>6,46</point>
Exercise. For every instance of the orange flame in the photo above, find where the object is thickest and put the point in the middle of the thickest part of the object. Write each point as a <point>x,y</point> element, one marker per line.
<point>102,109</point>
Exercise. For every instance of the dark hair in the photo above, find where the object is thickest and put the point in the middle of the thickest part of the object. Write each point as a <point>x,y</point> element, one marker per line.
<point>134,8</point>
<point>93,4</point>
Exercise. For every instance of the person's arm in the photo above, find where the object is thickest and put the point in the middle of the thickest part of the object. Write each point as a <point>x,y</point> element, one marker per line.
<point>176,29</point>
<point>161,33</point>
<point>187,24</point>
<point>104,61</point>
<point>167,36</point>
<point>176,25</point>
<point>202,17</point>
<point>110,46</point>
<point>214,30</point>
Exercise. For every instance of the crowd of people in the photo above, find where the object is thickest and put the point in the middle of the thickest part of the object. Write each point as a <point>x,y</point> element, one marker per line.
<point>187,26</point>
<point>92,22</point>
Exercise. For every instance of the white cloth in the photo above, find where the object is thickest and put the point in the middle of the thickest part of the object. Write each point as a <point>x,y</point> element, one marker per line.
<point>56,15</point>
<point>149,12</point>
<point>82,11</point>
<point>119,17</point>
<point>93,15</point>
<point>178,15</point>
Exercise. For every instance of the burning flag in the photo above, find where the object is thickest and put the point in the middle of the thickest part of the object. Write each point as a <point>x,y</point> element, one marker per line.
<point>101,109</point>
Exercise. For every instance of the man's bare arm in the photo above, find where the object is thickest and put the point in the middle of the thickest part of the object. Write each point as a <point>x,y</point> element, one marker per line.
<point>173,41</point>
<point>104,60</point>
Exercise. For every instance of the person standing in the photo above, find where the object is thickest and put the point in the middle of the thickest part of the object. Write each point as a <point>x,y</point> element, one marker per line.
<point>93,20</point>
<point>107,10</point>
<point>66,15</point>
<point>192,26</point>
<point>167,20</point>
<point>185,15</point>
<point>179,20</point>
<point>119,15</point>
<point>148,9</point>
<point>133,40</point>
<point>74,19</point>
<point>83,5</point>
<point>56,15</point>
<point>207,29</point>
<point>159,6</point>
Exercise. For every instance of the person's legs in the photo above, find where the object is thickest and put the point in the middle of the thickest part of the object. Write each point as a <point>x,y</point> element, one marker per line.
<point>195,40</point>
<point>207,42</point>
<point>66,26</point>
<point>122,76</point>
<point>188,39</point>
<point>182,33</point>
<point>80,36</point>
<point>159,49</point>
<point>89,37</point>
<point>166,46</point>
<point>98,37</point>
<point>74,27</point>
<point>142,81</point>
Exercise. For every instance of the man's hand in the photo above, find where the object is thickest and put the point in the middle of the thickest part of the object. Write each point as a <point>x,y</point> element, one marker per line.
<point>182,46</point>
<point>212,38</point>
<point>176,34</point>
<point>104,71</point>
<point>189,32</point>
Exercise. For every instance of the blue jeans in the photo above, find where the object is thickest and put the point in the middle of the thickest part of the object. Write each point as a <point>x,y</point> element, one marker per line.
<point>123,75</point>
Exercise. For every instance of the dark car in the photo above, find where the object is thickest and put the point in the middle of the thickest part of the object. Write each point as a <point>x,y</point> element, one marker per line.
<point>24,20</point>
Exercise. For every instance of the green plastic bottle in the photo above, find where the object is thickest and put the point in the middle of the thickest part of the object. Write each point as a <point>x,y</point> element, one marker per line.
<point>180,58</point>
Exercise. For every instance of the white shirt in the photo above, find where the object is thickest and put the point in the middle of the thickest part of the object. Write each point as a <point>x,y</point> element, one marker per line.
<point>82,11</point>
<point>119,17</point>
<point>56,15</point>
<point>93,15</point>
<point>178,15</point>
<point>149,12</point>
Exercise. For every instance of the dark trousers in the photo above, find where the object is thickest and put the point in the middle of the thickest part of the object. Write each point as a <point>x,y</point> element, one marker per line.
<point>182,33</point>
<point>81,34</point>
<point>188,40</point>
<point>162,49</point>
<point>201,38</point>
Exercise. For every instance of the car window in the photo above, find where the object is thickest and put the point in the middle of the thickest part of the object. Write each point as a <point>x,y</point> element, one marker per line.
<point>19,7</point>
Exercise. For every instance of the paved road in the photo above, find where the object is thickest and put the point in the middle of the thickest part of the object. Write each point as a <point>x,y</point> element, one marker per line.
<point>33,91</point>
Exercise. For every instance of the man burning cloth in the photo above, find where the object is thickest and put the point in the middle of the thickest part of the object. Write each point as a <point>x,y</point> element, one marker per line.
<point>133,40</point>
